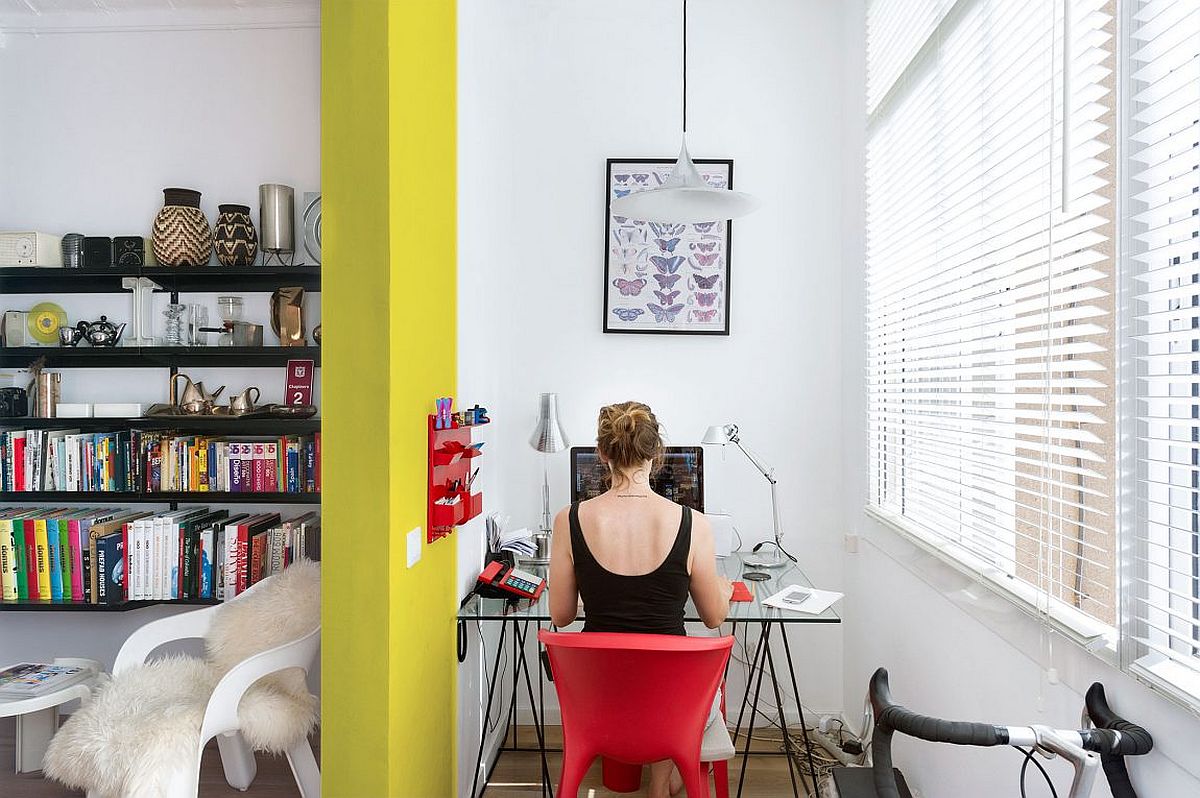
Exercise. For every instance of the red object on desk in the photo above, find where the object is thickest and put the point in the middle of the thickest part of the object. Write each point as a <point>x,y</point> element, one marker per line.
<point>741,592</point>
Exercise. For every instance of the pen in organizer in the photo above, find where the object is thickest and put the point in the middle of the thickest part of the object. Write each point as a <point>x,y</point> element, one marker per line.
<point>471,479</point>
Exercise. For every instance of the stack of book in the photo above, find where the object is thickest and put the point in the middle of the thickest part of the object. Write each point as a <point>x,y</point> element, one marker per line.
<point>106,556</point>
<point>155,462</point>
<point>32,679</point>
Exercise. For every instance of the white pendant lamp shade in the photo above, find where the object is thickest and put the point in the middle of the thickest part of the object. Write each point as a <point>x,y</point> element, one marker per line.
<point>685,197</point>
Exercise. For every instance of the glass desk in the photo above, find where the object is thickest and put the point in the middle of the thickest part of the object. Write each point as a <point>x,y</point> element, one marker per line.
<point>521,613</point>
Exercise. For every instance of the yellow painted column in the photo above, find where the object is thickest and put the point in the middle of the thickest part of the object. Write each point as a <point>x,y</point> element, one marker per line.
<point>388,303</point>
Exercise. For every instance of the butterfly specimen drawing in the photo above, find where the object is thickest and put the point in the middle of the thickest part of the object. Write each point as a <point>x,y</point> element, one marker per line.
<point>644,257</point>
<point>629,287</point>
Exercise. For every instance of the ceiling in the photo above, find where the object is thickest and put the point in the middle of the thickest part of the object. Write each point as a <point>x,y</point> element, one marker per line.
<point>32,9</point>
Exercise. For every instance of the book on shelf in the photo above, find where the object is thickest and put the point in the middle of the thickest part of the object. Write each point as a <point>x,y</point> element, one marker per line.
<point>110,556</point>
<point>32,679</point>
<point>156,461</point>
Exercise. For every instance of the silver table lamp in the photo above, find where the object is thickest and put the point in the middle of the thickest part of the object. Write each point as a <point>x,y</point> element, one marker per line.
<point>548,437</point>
<point>723,436</point>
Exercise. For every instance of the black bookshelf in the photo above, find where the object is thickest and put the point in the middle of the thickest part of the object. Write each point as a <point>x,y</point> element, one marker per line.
<point>210,278</point>
<point>261,426</point>
<point>157,497</point>
<point>84,356</point>
<point>77,606</point>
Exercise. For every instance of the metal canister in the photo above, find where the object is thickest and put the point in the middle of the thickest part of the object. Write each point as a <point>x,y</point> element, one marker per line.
<point>48,392</point>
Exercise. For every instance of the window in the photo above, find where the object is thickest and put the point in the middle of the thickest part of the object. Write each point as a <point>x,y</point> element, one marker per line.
<point>990,292</point>
<point>1163,242</point>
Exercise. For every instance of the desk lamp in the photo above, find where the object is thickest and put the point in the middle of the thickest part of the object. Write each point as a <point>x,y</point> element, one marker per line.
<point>548,437</point>
<point>723,436</point>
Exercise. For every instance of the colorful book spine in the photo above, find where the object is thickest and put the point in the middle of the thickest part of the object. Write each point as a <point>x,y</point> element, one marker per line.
<point>8,562</point>
<point>42,558</point>
<point>75,546</point>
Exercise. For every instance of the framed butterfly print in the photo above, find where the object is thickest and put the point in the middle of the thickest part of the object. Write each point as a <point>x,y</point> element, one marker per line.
<point>663,277</point>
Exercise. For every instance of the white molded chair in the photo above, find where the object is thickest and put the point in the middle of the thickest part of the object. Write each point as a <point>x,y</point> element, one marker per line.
<point>79,752</point>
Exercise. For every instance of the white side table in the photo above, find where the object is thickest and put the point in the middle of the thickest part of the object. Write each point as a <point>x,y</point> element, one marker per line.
<point>37,718</point>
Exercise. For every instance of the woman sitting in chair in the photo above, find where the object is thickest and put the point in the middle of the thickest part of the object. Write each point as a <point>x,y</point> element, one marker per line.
<point>635,556</point>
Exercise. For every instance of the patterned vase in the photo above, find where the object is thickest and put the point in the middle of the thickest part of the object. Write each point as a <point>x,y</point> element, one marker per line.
<point>235,240</point>
<point>182,236</point>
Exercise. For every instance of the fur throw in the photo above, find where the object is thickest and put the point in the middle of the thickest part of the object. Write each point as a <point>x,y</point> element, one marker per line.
<point>141,729</point>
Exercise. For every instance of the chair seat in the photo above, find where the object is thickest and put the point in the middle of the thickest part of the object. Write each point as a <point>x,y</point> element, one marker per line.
<point>144,726</point>
<point>717,745</point>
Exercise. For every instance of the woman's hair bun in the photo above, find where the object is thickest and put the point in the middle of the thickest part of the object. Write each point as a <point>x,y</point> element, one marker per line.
<point>628,435</point>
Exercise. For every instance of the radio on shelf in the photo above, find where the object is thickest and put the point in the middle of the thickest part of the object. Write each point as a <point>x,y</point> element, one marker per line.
<point>30,249</point>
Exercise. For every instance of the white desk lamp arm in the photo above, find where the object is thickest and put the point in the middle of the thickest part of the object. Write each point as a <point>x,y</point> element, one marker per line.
<point>769,473</point>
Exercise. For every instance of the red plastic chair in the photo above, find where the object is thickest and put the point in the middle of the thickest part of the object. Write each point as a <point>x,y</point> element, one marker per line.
<point>634,698</point>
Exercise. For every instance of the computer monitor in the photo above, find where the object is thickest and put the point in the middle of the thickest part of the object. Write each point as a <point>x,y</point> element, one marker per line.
<point>681,478</point>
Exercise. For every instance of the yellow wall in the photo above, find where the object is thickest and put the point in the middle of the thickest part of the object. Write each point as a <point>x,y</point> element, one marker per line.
<point>388,163</point>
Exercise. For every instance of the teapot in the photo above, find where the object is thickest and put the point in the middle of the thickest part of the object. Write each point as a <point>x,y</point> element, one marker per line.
<point>194,399</point>
<point>101,333</point>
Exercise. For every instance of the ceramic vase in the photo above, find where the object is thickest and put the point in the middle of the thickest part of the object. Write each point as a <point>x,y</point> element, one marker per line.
<point>235,240</point>
<point>182,236</point>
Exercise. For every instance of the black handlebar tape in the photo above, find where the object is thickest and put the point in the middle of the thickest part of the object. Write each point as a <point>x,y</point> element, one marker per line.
<point>1132,740</point>
<point>890,716</point>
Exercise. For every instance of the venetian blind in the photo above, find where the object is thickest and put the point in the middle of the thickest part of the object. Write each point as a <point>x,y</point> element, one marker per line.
<point>988,297</point>
<point>1164,164</point>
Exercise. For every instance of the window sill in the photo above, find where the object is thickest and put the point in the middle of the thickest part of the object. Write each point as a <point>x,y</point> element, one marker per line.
<point>1093,636</point>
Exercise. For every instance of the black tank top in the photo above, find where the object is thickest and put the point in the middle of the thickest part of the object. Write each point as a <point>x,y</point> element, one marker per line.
<point>648,603</point>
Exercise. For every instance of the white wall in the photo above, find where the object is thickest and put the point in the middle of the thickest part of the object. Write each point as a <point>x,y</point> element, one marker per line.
<point>953,649</point>
<point>97,123</point>
<point>548,90</point>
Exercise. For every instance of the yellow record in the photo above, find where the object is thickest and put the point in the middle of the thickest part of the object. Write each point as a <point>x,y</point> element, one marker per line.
<point>44,320</point>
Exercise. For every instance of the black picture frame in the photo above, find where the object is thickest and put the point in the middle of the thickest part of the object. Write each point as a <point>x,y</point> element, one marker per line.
<point>615,326</point>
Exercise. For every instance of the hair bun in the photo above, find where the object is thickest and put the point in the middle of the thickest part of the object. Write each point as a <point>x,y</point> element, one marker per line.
<point>628,435</point>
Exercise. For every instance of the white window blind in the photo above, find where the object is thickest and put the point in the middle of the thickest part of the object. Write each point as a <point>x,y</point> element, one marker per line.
<point>1164,248</point>
<point>989,305</point>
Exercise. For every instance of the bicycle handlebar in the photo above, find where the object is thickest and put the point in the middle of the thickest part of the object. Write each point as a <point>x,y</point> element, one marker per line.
<point>1113,738</point>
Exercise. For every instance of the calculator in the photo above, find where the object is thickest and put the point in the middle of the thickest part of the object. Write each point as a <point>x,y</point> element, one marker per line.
<point>519,583</point>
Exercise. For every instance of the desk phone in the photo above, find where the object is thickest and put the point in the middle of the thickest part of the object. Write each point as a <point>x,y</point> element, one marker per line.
<point>519,583</point>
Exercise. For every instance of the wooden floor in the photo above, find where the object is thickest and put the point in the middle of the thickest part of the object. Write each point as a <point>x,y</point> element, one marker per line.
<point>518,774</point>
<point>274,778</point>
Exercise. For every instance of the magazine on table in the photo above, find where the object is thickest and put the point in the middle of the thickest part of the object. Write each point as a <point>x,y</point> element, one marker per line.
<point>31,679</point>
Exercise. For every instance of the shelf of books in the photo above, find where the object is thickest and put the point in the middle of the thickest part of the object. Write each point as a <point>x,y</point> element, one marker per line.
<point>123,559</point>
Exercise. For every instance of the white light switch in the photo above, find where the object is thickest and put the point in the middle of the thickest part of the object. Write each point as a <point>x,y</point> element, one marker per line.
<point>414,547</point>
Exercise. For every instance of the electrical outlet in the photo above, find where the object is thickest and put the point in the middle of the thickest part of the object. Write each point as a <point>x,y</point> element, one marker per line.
<point>413,546</point>
<point>851,543</point>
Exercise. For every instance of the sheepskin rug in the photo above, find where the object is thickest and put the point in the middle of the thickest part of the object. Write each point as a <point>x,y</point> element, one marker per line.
<point>141,729</point>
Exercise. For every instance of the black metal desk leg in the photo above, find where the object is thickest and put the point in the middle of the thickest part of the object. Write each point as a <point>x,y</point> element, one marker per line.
<point>799,705</point>
<point>537,720</point>
<point>787,738</point>
<point>753,712</point>
<point>487,713</point>
<point>754,663</point>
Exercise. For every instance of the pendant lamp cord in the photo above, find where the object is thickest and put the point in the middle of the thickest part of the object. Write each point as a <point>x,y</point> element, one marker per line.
<point>685,66</point>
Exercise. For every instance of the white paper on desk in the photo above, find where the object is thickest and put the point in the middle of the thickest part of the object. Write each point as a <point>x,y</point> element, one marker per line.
<point>808,600</point>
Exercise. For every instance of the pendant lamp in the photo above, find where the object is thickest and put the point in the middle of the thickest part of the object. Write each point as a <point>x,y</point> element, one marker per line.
<point>685,197</point>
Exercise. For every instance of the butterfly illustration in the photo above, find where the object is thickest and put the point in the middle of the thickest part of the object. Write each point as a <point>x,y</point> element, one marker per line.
<point>665,245</point>
<point>629,287</point>
<point>704,246</point>
<point>662,314</point>
<point>620,219</point>
<point>666,298</point>
<point>706,300</point>
<point>665,281</point>
<point>621,192</point>
<point>706,283</point>
<point>666,265</point>
<point>704,316</point>
<point>703,227</point>
<point>627,314</point>
<point>621,178</point>
<point>640,178</point>
<point>705,261</point>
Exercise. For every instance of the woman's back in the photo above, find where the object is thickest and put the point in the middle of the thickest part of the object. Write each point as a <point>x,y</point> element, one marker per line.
<point>632,562</point>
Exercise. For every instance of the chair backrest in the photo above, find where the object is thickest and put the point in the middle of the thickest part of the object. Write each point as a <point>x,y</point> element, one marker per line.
<point>277,610</point>
<point>635,697</point>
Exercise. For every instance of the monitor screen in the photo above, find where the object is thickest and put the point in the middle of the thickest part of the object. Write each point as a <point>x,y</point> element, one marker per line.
<point>681,478</point>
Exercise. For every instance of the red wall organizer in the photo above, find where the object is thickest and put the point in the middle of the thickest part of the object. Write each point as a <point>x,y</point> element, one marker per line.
<point>450,459</point>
